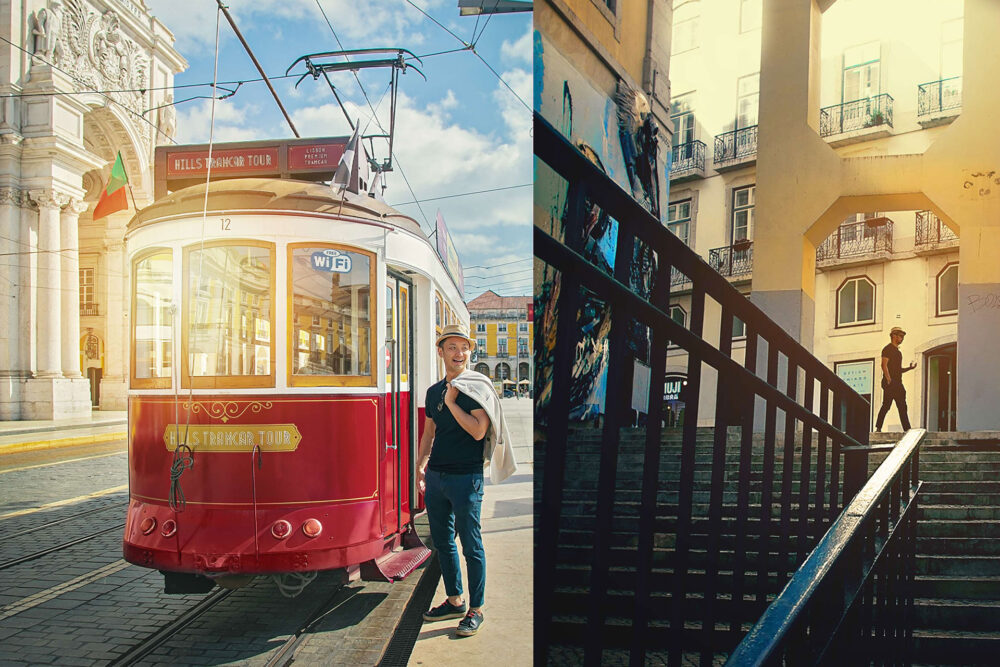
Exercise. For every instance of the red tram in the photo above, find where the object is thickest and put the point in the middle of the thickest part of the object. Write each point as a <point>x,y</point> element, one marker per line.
<point>282,337</point>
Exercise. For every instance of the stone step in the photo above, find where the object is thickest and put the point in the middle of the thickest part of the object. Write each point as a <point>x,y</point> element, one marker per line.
<point>958,566</point>
<point>966,529</point>
<point>968,648</point>
<point>957,588</point>
<point>959,512</point>
<point>958,546</point>
<point>950,614</point>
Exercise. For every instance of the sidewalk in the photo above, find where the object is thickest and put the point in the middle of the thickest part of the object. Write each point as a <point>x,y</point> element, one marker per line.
<point>21,436</point>
<point>506,634</point>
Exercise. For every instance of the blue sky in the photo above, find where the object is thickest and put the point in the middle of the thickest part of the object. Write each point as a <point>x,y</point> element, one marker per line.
<point>459,132</point>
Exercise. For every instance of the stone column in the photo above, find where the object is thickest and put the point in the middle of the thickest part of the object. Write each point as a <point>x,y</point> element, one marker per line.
<point>14,366</point>
<point>49,286</point>
<point>70,236</point>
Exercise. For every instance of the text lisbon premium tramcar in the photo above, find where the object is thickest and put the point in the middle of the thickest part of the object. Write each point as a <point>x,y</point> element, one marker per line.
<point>280,343</point>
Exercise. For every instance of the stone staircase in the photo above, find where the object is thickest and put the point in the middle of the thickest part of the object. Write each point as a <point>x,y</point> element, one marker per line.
<point>734,616</point>
<point>957,586</point>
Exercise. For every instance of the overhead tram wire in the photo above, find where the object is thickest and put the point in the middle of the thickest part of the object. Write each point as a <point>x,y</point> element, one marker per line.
<point>375,115</point>
<point>260,69</point>
<point>466,194</point>
<point>221,84</point>
<point>516,261</point>
<point>475,40</point>
<point>472,48</point>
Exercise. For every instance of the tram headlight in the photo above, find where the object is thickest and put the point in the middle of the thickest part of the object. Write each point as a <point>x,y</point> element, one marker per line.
<point>281,529</point>
<point>169,528</point>
<point>148,525</point>
<point>312,527</point>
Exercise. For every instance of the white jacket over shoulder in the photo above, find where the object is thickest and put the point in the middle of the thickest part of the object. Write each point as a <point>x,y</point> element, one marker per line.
<point>497,450</point>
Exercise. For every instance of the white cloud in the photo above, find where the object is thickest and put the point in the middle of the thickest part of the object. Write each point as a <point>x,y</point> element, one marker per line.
<point>521,50</point>
<point>516,116</point>
<point>232,122</point>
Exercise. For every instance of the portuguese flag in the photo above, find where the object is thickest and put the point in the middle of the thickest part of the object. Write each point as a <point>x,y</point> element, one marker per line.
<point>113,197</point>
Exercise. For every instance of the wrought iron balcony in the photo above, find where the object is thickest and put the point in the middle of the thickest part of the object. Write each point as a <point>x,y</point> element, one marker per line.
<point>734,260</point>
<point>89,309</point>
<point>735,148</point>
<point>939,98</point>
<point>523,353</point>
<point>931,232</point>
<point>857,239</point>
<point>687,160</point>
<point>677,278</point>
<point>857,115</point>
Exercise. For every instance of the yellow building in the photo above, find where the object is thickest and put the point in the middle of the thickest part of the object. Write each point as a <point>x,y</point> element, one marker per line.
<point>502,329</point>
<point>837,162</point>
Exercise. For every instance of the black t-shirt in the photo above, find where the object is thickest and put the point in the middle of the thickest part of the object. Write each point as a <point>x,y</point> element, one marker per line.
<point>454,450</point>
<point>895,357</point>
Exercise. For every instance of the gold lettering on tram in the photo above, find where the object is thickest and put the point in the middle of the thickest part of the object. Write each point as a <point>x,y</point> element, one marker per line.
<point>233,437</point>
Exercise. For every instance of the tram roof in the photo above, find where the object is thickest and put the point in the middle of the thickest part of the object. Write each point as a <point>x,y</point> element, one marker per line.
<point>271,194</point>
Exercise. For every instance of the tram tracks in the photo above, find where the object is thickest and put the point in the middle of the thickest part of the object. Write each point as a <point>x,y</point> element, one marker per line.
<point>56,522</point>
<point>65,545</point>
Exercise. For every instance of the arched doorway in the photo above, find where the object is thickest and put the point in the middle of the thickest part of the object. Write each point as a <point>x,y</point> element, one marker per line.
<point>523,371</point>
<point>482,368</point>
<point>501,372</point>
<point>940,404</point>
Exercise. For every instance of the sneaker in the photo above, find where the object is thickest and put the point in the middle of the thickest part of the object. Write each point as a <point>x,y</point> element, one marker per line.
<point>469,625</point>
<point>444,610</point>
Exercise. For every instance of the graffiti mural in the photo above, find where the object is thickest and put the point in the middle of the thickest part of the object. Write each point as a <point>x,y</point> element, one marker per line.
<point>619,135</point>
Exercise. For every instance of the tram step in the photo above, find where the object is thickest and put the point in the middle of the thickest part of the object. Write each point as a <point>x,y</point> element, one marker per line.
<point>395,565</point>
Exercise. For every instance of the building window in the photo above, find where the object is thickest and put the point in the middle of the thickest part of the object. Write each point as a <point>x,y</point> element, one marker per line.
<point>856,302</point>
<point>862,66</point>
<point>679,219</point>
<point>686,17</point>
<point>679,315</point>
<point>522,347</point>
<point>947,291</point>
<point>481,347</point>
<point>744,200</point>
<point>501,347</point>
<point>480,327</point>
<point>682,114</point>
<point>739,326</point>
<point>522,327</point>
<point>86,287</point>
<point>152,319</point>
<point>747,96</point>
<point>750,13</point>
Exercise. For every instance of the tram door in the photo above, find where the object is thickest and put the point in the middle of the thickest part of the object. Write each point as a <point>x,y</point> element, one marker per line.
<point>397,457</point>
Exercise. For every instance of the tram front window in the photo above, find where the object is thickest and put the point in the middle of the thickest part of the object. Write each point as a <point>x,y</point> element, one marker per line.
<point>153,319</point>
<point>330,297</point>
<point>229,306</point>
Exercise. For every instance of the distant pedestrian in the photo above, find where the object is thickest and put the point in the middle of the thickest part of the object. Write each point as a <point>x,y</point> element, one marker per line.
<point>892,379</point>
<point>463,431</point>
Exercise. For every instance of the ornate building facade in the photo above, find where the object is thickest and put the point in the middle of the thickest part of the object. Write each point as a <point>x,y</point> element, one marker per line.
<point>80,82</point>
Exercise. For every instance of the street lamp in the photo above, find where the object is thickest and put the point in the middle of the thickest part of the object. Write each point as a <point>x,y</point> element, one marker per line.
<point>475,7</point>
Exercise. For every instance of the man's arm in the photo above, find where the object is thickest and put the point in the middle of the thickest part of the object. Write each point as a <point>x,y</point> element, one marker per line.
<point>475,423</point>
<point>424,451</point>
<point>912,365</point>
<point>885,370</point>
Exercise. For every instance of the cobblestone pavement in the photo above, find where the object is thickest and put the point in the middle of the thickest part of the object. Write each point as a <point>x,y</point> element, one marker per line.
<point>84,605</point>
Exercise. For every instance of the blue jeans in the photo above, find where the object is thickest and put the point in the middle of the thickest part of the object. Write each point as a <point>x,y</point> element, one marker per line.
<point>454,503</point>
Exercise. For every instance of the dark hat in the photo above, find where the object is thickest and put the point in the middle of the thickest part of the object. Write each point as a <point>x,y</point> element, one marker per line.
<point>897,330</point>
<point>454,331</point>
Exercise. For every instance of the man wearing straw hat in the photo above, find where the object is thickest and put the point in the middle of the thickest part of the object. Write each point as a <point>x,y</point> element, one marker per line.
<point>892,379</point>
<point>464,430</point>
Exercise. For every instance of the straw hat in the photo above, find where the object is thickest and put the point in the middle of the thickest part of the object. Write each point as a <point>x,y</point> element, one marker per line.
<point>897,330</point>
<point>454,331</point>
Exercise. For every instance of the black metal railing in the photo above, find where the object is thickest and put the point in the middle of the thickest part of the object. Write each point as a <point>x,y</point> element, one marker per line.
<point>732,260</point>
<point>736,146</point>
<point>677,278</point>
<point>89,309</point>
<point>857,239</point>
<point>851,602</point>
<point>655,541</point>
<point>930,230</point>
<point>857,115</point>
<point>687,159</point>
<point>939,96</point>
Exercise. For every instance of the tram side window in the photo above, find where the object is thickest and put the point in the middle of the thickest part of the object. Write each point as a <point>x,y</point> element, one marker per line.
<point>152,320</point>
<point>330,285</point>
<point>230,314</point>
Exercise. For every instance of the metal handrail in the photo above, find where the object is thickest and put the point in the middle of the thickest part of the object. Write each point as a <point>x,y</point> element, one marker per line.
<point>687,158</point>
<point>856,239</point>
<point>789,627</point>
<point>732,260</point>
<point>930,230</point>
<point>839,418</point>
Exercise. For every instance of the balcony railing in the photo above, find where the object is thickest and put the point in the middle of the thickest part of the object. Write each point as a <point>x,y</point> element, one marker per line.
<point>931,231</point>
<point>736,147</point>
<point>732,261</point>
<point>89,309</point>
<point>687,159</point>
<point>936,97</point>
<point>857,239</point>
<point>677,278</point>
<point>857,115</point>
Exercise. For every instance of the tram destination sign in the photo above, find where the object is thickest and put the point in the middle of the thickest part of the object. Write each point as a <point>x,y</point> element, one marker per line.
<point>234,437</point>
<point>315,159</point>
